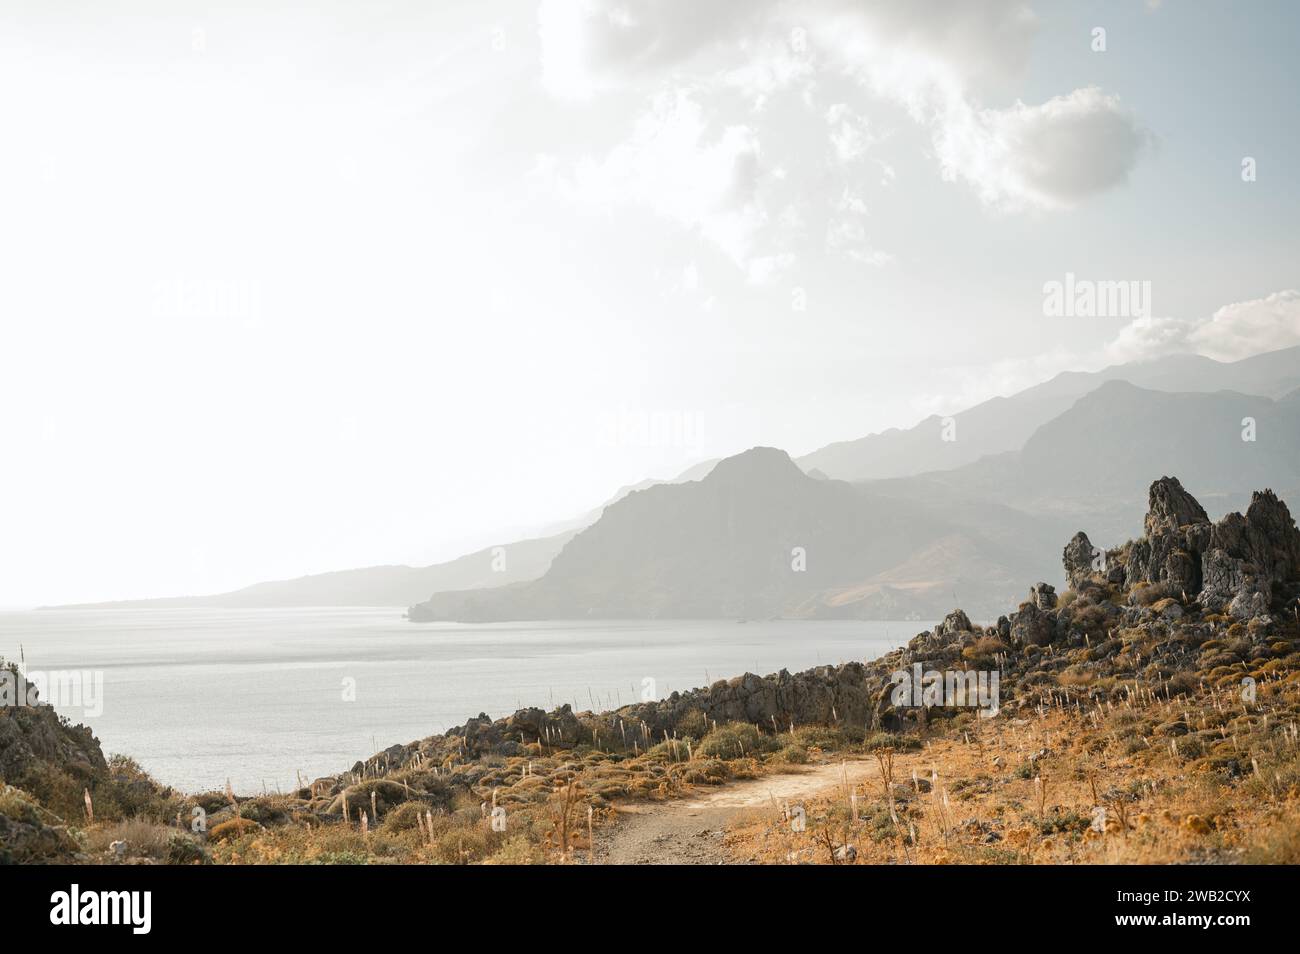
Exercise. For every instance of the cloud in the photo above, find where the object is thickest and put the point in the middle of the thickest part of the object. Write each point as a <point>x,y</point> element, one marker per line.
<point>723,62</point>
<point>1147,338</point>
<point>1250,327</point>
<point>1233,332</point>
<point>1049,156</point>
<point>676,166</point>
<point>719,182</point>
<point>588,45</point>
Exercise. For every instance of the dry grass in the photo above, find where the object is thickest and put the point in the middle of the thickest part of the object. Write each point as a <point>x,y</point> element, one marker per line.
<point>1027,790</point>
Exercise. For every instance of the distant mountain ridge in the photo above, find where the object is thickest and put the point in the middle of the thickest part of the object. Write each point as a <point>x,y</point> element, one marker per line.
<point>399,585</point>
<point>977,517</point>
<point>1004,424</point>
<point>888,548</point>
<point>373,585</point>
<point>1089,464</point>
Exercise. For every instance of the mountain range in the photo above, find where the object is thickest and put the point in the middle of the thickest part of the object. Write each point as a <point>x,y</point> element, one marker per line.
<point>901,523</point>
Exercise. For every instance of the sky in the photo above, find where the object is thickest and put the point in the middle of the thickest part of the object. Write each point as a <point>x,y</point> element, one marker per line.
<point>296,287</point>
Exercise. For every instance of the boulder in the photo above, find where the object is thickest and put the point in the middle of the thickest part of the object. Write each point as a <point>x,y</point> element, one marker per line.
<point>1032,626</point>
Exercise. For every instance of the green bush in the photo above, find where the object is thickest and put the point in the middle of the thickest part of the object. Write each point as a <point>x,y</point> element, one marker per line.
<point>735,740</point>
<point>793,754</point>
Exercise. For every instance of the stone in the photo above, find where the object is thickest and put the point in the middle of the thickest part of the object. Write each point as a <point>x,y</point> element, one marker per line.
<point>1078,560</point>
<point>1032,627</point>
<point>1170,508</point>
<point>1043,595</point>
<point>954,624</point>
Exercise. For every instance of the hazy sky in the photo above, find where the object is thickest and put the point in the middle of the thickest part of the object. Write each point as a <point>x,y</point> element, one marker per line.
<point>291,287</point>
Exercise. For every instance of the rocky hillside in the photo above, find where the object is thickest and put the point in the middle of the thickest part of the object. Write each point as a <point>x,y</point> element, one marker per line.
<point>45,764</point>
<point>1151,610</point>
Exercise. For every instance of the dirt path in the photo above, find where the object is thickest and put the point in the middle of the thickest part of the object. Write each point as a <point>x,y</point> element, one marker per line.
<point>689,831</point>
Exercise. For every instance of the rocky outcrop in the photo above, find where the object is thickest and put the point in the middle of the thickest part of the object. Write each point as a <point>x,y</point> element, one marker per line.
<point>30,834</point>
<point>1176,531</point>
<point>1078,558</point>
<point>953,624</point>
<point>34,740</point>
<point>1232,564</point>
<point>1247,554</point>
<point>1032,626</point>
<point>1043,595</point>
<point>1170,507</point>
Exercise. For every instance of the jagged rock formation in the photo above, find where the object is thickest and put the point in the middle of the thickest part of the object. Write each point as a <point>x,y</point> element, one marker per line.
<point>1078,560</point>
<point>1231,564</point>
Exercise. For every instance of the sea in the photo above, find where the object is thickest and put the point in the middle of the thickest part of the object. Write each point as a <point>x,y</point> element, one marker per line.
<point>261,697</point>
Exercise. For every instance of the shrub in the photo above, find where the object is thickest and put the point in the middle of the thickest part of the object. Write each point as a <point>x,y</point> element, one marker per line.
<point>735,740</point>
<point>891,740</point>
<point>233,828</point>
<point>793,754</point>
<point>1144,594</point>
<point>144,838</point>
<point>706,772</point>
<point>183,850</point>
<point>694,724</point>
<point>406,816</point>
<point>670,750</point>
<point>30,833</point>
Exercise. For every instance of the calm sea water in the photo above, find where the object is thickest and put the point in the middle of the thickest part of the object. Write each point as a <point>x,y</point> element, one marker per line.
<point>199,696</point>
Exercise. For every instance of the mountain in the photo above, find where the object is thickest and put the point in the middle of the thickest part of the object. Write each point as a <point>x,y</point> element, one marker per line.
<point>758,537</point>
<point>1090,464</point>
<point>374,585</point>
<point>399,585</point>
<point>1004,424</point>
<point>723,546</point>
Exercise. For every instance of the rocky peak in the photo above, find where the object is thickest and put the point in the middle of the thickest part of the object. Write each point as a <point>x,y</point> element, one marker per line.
<point>756,465</point>
<point>1170,507</point>
<point>1231,564</point>
<point>953,624</point>
<point>1077,559</point>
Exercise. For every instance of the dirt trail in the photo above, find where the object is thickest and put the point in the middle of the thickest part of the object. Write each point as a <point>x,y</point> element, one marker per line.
<point>689,831</point>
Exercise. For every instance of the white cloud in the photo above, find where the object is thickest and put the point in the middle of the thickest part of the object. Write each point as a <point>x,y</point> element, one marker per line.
<point>1250,327</point>
<point>1233,332</point>
<point>677,167</point>
<point>849,136</point>
<point>1146,338</point>
<point>931,57</point>
<point>1049,156</point>
<point>588,45</point>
